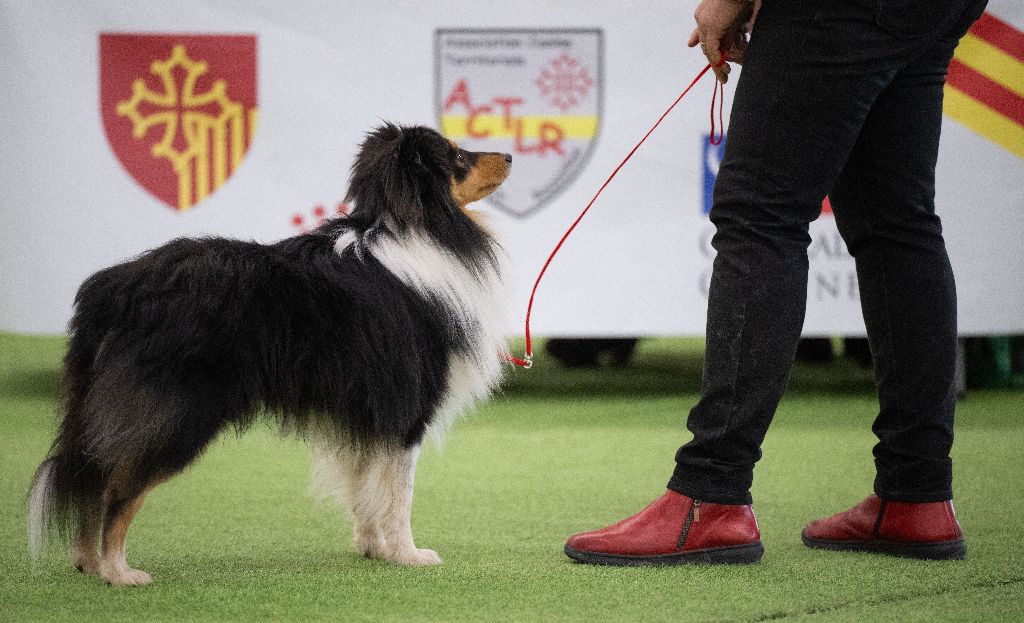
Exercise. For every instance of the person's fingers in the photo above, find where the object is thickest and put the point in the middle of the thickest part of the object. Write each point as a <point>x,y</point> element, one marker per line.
<point>753,15</point>
<point>694,38</point>
<point>722,73</point>
<point>710,44</point>
<point>718,25</point>
<point>737,48</point>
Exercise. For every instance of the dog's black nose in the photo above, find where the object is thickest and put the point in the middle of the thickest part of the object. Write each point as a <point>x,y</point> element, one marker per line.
<point>508,158</point>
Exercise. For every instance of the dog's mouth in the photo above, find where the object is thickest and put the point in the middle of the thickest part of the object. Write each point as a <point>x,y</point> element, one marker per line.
<point>489,173</point>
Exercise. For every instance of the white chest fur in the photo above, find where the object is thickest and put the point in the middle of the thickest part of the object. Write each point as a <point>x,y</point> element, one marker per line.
<point>476,300</point>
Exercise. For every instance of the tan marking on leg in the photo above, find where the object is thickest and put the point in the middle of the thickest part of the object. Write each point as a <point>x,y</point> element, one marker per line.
<point>113,562</point>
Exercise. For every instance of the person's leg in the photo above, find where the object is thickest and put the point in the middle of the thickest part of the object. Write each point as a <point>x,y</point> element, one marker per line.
<point>812,75</point>
<point>884,207</point>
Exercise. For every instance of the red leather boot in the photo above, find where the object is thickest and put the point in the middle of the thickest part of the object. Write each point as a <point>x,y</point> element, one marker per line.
<point>926,530</point>
<point>672,530</point>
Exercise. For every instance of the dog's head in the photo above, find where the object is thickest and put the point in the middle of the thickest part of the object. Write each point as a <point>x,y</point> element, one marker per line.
<point>415,178</point>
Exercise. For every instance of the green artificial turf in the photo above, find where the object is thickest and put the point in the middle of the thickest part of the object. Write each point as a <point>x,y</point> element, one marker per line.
<point>237,537</point>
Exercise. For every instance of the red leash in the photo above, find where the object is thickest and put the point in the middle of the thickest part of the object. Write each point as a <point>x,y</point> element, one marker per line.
<point>527,363</point>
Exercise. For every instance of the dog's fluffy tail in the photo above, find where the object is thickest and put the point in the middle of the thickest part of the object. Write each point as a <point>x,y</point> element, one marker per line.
<point>67,481</point>
<point>41,501</point>
<point>46,504</point>
<point>59,492</point>
<point>68,485</point>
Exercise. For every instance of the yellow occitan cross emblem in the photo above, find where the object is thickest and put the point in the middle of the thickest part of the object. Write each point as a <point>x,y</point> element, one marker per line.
<point>204,120</point>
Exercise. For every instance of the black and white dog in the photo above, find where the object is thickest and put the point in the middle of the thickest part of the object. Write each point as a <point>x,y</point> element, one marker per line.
<point>360,336</point>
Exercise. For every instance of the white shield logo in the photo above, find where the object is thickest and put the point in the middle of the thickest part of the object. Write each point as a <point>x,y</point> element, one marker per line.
<point>536,94</point>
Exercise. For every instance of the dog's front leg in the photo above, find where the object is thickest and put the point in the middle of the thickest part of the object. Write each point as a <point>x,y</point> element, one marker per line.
<point>376,485</point>
<point>367,509</point>
<point>341,472</point>
<point>395,486</point>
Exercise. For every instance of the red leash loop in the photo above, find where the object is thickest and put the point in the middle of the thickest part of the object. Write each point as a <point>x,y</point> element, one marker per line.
<point>527,363</point>
<point>718,93</point>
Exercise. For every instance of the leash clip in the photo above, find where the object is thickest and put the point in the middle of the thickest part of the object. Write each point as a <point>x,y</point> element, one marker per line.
<point>525,364</point>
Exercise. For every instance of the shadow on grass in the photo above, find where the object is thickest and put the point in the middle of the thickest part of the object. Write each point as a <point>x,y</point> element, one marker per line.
<point>647,376</point>
<point>668,368</point>
<point>37,383</point>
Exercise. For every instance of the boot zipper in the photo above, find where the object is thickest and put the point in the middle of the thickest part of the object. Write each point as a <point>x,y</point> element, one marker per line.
<point>876,532</point>
<point>693,516</point>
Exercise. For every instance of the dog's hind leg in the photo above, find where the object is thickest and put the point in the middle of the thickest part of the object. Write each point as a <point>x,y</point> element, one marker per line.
<point>388,491</point>
<point>85,549</point>
<point>122,502</point>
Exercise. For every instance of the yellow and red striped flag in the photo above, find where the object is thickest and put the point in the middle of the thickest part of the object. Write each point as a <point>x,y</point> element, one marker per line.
<point>985,84</point>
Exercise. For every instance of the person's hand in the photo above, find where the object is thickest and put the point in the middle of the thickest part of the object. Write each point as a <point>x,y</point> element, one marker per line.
<point>723,25</point>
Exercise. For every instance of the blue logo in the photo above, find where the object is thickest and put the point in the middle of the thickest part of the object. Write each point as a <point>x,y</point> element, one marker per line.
<point>712,158</point>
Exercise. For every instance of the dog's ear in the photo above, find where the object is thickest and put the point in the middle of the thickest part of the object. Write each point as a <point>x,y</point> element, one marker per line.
<point>387,177</point>
<point>404,182</point>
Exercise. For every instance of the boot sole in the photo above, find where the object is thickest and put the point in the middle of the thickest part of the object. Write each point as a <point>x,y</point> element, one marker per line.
<point>733,555</point>
<point>942,550</point>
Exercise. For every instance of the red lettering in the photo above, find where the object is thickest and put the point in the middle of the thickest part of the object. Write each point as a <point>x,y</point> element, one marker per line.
<point>459,95</point>
<point>550,134</point>
<point>551,137</point>
<point>520,148</point>
<point>471,121</point>
<point>506,104</point>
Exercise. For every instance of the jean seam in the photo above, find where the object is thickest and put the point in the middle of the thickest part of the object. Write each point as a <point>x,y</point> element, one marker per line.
<point>737,347</point>
<point>890,339</point>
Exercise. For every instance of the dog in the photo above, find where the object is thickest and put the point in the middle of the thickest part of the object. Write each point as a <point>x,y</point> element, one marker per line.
<point>361,336</point>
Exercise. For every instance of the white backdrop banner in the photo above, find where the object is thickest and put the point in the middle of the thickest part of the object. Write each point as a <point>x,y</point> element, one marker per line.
<point>125,125</point>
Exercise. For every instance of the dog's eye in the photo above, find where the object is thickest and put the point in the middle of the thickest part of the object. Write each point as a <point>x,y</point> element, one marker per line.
<point>459,157</point>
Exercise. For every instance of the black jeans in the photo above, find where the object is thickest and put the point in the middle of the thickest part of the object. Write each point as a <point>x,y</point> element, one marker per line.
<point>841,98</point>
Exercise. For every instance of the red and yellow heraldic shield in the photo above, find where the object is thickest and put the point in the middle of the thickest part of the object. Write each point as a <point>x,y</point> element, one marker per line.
<point>179,110</point>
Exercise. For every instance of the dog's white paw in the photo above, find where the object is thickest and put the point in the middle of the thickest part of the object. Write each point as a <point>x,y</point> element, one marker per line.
<point>370,545</point>
<point>124,576</point>
<point>416,558</point>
